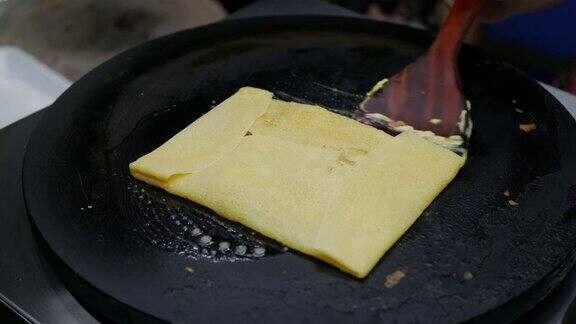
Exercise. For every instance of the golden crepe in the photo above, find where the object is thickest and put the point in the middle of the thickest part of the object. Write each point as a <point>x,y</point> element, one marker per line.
<point>318,182</point>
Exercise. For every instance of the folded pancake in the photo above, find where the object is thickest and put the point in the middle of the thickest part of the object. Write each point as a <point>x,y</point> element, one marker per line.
<point>267,185</point>
<point>206,140</point>
<point>318,182</point>
<point>314,125</point>
<point>380,199</point>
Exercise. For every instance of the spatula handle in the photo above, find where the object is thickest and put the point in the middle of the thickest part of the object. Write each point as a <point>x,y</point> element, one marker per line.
<point>458,22</point>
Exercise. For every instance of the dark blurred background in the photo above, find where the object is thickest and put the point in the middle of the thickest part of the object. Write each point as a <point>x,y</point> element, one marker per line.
<point>72,36</point>
<point>541,42</point>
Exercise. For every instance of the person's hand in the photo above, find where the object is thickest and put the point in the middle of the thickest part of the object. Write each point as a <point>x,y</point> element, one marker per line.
<point>499,9</point>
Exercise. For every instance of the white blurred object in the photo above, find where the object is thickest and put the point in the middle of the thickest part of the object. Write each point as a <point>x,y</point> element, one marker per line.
<point>26,85</point>
<point>568,100</point>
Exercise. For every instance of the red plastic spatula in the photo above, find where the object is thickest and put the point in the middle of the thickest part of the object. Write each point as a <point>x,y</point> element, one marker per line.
<point>427,94</point>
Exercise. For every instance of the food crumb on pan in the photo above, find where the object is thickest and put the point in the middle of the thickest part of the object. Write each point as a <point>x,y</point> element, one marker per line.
<point>435,121</point>
<point>518,110</point>
<point>206,240</point>
<point>394,278</point>
<point>224,246</point>
<point>189,269</point>
<point>507,193</point>
<point>259,251</point>
<point>512,203</point>
<point>527,127</point>
<point>240,250</point>
<point>468,275</point>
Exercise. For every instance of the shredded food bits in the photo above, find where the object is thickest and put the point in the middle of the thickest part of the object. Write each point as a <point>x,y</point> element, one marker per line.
<point>394,278</point>
<point>527,127</point>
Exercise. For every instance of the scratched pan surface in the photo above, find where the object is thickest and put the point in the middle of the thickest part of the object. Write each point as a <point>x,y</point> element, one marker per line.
<point>129,251</point>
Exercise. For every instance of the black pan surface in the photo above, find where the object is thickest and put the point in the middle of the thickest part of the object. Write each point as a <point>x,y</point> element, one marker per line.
<point>130,250</point>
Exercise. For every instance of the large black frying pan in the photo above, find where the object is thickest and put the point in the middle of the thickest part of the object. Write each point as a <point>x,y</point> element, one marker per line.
<point>130,251</point>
